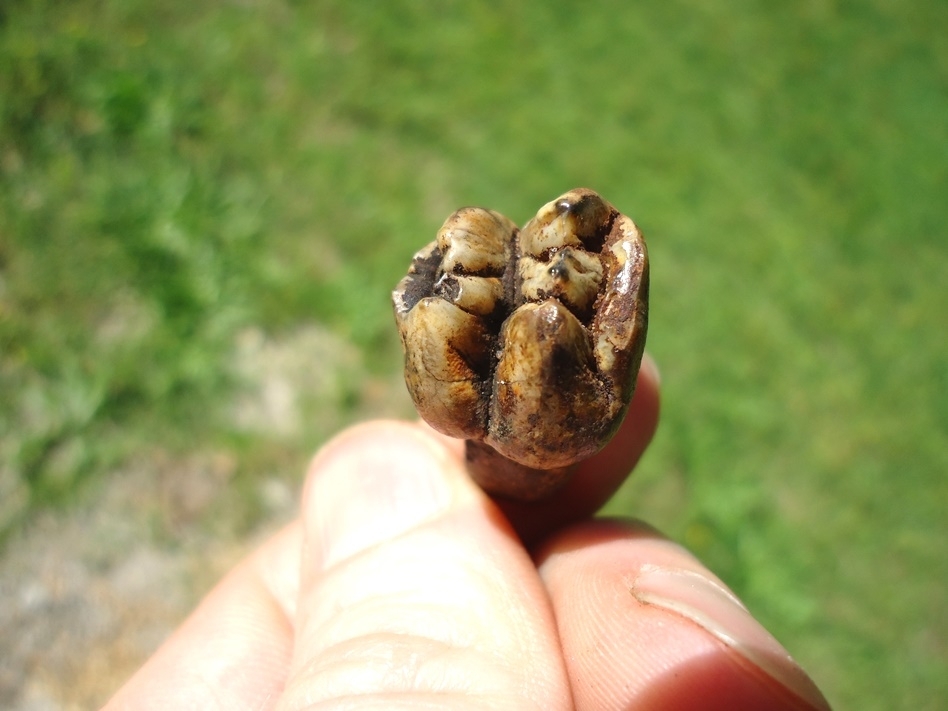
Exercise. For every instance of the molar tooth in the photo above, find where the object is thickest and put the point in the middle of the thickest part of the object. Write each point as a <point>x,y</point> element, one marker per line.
<point>527,343</point>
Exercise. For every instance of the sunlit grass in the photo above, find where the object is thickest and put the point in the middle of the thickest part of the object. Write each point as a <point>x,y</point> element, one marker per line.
<point>174,175</point>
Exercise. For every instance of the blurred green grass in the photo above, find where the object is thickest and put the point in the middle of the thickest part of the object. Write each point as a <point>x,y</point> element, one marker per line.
<point>173,174</point>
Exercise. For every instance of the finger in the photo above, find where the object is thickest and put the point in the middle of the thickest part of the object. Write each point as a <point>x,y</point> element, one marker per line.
<point>645,626</point>
<point>597,478</point>
<point>414,589</point>
<point>233,651</point>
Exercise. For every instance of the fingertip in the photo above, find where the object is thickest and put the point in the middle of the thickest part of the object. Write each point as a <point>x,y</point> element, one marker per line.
<point>407,568</point>
<point>649,370</point>
<point>635,433</point>
<point>645,625</point>
<point>374,481</point>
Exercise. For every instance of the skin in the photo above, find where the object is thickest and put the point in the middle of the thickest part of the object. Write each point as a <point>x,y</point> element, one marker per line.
<point>401,585</point>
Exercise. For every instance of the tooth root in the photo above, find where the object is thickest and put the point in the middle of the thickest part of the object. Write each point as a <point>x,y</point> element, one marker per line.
<point>506,478</point>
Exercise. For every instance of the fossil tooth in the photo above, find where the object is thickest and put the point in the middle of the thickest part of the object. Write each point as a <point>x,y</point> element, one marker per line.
<point>526,343</point>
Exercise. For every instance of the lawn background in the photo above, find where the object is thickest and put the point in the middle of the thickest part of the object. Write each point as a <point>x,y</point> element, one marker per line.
<point>183,183</point>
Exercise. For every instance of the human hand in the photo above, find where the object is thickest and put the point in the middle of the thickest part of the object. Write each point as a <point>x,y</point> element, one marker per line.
<point>402,585</point>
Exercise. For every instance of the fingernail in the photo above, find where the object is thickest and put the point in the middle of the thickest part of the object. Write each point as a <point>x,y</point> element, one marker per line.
<point>373,485</point>
<point>716,609</point>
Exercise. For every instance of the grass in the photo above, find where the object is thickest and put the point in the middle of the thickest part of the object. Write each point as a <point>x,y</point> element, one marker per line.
<point>175,175</point>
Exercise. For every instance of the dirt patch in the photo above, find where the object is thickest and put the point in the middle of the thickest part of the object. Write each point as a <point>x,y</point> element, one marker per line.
<point>90,592</point>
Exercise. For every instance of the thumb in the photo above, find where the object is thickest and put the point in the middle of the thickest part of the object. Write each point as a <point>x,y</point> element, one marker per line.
<point>412,584</point>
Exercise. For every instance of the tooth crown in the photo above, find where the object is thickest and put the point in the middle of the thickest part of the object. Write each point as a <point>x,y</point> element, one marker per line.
<point>527,341</point>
